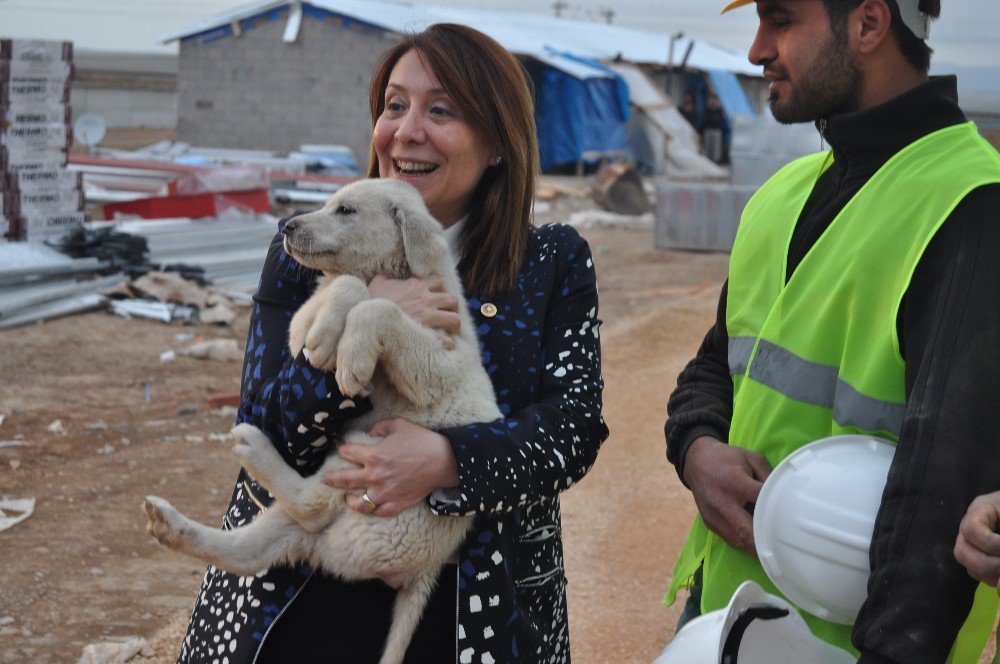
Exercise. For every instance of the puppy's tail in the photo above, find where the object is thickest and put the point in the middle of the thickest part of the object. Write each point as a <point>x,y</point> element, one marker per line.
<point>409,607</point>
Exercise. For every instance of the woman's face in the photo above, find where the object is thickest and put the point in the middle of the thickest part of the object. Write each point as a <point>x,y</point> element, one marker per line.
<point>422,138</point>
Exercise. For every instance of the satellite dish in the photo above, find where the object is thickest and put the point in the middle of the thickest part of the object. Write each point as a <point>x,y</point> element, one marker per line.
<point>89,129</point>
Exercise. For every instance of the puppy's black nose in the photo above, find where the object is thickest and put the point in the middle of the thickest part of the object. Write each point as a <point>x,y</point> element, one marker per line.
<point>289,227</point>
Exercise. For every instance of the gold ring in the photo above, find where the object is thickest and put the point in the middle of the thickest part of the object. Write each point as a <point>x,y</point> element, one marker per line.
<point>372,505</point>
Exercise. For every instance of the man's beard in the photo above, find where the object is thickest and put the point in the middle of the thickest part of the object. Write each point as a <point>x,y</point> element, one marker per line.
<point>830,86</point>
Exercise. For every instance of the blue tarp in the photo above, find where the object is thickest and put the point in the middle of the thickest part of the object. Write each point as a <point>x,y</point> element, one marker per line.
<point>578,115</point>
<point>730,93</point>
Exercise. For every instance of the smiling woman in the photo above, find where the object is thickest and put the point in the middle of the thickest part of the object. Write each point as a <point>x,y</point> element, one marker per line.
<point>450,101</point>
<point>453,116</point>
<point>422,138</point>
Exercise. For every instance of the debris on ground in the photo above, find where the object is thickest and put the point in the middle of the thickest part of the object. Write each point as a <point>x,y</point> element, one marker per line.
<point>197,302</point>
<point>618,187</point>
<point>214,349</point>
<point>218,400</point>
<point>599,219</point>
<point>115,651</point>
<point>166,312</point>
<point>549,189</point>
<point>15,510</point>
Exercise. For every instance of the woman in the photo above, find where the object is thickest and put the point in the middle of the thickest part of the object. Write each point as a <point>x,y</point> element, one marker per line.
<point>453,116</point>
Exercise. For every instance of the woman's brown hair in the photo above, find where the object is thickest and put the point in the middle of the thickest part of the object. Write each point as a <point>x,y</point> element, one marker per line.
<point>494,93</point>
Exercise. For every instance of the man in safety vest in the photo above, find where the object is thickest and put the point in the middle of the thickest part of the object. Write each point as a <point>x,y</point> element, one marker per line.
<point>862,299</point>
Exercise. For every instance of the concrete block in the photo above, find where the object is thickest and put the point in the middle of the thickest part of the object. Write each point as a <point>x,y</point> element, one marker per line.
<point>698,216</point>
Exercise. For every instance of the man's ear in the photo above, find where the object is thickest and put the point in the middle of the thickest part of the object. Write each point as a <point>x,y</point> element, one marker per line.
<point>423,243</point>
<point>871,23</point>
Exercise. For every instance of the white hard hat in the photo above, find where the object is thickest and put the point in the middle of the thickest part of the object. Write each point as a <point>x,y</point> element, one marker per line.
<point>756,628</point>
<point>814,519</point>
<point>917,21</point>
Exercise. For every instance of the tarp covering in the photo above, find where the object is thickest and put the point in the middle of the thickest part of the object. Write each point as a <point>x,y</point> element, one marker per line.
<point>727,88</point>
<point>576,115</point>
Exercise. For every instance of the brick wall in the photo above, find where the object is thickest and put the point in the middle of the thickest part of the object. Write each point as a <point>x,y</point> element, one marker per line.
<point>254,91</point>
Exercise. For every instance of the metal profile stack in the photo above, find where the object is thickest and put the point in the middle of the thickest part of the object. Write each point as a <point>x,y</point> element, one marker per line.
<point>230,251</point>
<point>40,197</point>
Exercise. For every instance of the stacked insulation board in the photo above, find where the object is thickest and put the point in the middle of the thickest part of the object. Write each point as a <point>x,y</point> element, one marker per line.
<point>39,196</point>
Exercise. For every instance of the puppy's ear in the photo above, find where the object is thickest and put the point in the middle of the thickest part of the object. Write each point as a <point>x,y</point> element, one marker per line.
<point>423,243</point>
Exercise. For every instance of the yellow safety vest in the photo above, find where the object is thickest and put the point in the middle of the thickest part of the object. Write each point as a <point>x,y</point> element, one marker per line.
<point>819,355</point>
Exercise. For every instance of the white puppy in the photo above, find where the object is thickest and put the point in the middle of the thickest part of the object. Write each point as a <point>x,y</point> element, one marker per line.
<point>367,228</point>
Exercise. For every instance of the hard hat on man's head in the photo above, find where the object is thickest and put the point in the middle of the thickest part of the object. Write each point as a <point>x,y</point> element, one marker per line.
<point>917,21</point>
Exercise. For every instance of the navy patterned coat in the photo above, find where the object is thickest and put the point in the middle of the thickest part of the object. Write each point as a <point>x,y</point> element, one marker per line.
<point>541,349</point>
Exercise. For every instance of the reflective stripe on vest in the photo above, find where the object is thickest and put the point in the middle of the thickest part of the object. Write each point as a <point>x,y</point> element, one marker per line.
<point>816,384</point>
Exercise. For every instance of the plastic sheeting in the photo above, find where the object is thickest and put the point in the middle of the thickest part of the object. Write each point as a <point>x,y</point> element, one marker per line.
<point>727,88</point>
<point>579,116</point>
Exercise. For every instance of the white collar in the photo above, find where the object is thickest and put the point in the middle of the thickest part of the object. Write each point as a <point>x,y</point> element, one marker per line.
<point>453,236</point>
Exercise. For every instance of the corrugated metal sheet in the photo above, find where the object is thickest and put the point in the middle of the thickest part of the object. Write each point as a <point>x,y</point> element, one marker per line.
<point>231,251</point>
<point>37,282</point>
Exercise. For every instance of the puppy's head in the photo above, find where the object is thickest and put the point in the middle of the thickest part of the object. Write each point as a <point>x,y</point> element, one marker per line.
<point>369,227</point>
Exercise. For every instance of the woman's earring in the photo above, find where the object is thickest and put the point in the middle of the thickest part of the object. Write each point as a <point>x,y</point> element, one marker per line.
<point>496,162</point>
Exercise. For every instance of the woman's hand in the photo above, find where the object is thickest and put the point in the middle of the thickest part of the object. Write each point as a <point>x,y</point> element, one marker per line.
<point>397,472</point>
<point>978,543</point>
<point>423,300</point>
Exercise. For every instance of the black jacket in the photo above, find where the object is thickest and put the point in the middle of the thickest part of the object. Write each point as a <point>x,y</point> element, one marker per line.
<point>949,329</point>
<point>542,352</point>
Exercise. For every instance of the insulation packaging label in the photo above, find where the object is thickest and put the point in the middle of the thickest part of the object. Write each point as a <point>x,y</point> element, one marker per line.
<point>50,201</point>
<point>37,51</point>
<point>57,70</point>
<point>21,160</point>
<point>40,226</point>
<point>36,138</point>
<point>33,89</point>
<point>34,114</point>
<point>59,178</point>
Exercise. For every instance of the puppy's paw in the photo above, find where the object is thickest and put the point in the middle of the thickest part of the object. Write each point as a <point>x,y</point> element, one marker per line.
<point>254,450</point>
<point>297,331</point>
<point>163,522</point>
<point>321,346</point>
<point>355,367</point>
<point>245,453</point>
<point>352,386</point>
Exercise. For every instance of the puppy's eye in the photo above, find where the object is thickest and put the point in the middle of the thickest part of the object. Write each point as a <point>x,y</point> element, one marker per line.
<point>346,209</point>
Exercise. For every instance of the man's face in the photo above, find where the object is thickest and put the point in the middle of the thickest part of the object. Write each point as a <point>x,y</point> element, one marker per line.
<point>812,69</point>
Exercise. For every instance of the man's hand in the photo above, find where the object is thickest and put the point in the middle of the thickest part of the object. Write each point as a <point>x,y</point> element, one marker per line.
<point>978,543</point>
<point>725,480</point>
<point>423,300</point>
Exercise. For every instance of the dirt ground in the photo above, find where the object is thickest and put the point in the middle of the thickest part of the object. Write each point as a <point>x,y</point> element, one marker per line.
<point>82,570</point>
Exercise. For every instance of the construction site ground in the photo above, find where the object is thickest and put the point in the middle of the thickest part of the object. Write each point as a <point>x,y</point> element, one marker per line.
<point>82,569</point>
